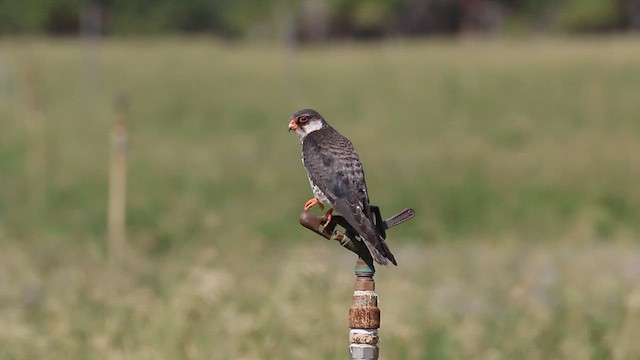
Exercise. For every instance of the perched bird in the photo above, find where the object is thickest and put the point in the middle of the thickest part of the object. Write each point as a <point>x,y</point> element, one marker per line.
<point>336,177</point>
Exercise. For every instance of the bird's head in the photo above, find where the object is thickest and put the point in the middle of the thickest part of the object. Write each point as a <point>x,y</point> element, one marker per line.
<point>306,121</point>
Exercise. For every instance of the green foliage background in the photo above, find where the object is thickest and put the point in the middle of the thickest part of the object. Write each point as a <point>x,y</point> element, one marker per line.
<point>366,18</point>
<point>479,138</point>
<point>521,159</point>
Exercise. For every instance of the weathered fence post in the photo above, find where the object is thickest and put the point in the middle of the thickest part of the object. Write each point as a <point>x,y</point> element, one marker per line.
<point>36,141</point>
<point>364,315</point>
<point>118,185</point>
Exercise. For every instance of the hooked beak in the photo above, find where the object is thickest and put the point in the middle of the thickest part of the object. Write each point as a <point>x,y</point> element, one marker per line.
<point>293,125</point>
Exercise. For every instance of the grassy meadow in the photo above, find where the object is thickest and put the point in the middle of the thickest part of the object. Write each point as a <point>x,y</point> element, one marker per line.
<point>521,159</point>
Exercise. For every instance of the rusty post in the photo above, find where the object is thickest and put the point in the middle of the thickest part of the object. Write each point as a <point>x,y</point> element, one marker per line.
<point>364,315</point>
<point>118,185</point>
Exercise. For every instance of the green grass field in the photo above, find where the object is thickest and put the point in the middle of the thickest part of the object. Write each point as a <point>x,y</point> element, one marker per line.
<point>521,158</point>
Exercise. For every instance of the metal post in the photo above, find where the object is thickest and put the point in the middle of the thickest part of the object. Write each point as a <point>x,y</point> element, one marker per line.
<point>364,315</point>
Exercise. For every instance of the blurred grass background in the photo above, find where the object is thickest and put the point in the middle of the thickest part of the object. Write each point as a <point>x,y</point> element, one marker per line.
<point>521,159</point>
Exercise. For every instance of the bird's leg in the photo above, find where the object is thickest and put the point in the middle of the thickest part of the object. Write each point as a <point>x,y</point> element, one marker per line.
<point>311,203</point>
<point>328,216</point>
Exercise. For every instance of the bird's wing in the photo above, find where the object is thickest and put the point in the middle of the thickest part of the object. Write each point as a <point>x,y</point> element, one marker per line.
<point>334,167</point>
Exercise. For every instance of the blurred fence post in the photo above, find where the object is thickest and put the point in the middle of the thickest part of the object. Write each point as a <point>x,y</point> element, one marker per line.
<point>364,315</point>
<point>118,184</point>
<point>289,44</point>
<point>90,31</point>
<point>35,139</point>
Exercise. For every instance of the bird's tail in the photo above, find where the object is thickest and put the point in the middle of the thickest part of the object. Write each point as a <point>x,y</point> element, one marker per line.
<point>380,252</point>
<point>387,252</point>
<point>364,226</point>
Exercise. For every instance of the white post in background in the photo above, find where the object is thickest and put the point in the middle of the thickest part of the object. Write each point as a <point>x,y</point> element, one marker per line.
<point>35,141</point>
<point>118,185</point>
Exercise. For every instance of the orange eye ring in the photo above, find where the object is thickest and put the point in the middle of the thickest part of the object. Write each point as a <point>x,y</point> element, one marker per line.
<point>303,119</point>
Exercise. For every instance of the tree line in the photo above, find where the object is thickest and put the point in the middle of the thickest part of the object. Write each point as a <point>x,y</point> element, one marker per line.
<point>317,19</point>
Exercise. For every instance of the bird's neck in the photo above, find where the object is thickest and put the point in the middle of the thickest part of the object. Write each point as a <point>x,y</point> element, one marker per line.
<point>309,129</point>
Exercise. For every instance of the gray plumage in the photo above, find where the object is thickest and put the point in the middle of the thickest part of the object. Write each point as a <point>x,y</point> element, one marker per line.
<point>336,177</point>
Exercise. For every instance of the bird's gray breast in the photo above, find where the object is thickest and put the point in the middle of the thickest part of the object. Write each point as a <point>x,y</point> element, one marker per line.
<point>333,167</point>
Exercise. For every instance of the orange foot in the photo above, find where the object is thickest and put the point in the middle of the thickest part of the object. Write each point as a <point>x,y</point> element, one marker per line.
<point>327,218</point>
<point>311,203</point>
<point>329,215</point>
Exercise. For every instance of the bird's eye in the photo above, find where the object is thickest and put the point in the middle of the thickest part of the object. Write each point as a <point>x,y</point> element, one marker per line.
<point>303,119</point>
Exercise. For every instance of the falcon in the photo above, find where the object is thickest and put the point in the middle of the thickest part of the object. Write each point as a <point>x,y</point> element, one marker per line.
<point>336,177</point>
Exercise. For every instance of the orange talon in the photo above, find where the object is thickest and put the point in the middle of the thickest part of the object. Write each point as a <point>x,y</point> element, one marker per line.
<point>311,203</point>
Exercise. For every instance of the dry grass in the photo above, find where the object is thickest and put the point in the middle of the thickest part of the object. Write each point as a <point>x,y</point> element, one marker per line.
<point>577,300</point>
